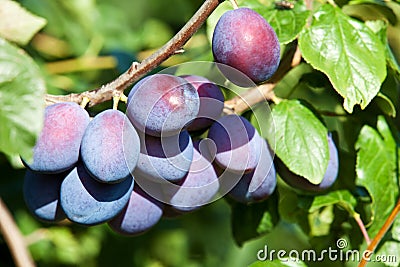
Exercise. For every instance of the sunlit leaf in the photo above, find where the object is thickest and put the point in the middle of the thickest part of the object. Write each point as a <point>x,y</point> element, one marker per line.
<point>301,140</point>
<point>376,170</point>
<point>348,52</point>
<point>342,198</point>
<point>21,101</point>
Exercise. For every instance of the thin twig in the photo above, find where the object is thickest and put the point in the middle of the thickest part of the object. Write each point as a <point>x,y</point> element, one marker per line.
<point>136,71</point>
<point>361,225</point>
<point>377,239</point>
<point>14,238</point>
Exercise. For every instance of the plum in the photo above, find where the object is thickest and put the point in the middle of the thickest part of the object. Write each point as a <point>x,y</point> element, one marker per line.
<point>237,142</point>
<point>211,102</point>
<point>42,193</point>
<point>89,202</point>
<point>57,147</point>
<point>164,159</point>
<point>162,104</point>
<point>244,40</point>
<point>110,147</point>
<point>140,214</point>
<point>259,184</point>
<point>197,188</point>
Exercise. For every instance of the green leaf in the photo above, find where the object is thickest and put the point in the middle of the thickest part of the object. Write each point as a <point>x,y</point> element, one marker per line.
<point>390,143</point>
<point>370,10</point>
<point>17,24</point>
<point>342,198</point>
<point>288,23</point>
<point>289,208</point>
<point>379,27</point>
<point>279,263</point>
<point>376,170</point>
<point>301,140</point>
<point>21,101</point>
<point>321,210</point>
<point>348,52</point>
<point>356,2</point>
<point>266,224</point>
<point>386,104</point>
<point>321,221</point>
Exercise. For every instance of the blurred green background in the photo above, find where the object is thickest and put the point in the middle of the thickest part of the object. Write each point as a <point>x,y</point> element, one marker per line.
<point>85,44</point>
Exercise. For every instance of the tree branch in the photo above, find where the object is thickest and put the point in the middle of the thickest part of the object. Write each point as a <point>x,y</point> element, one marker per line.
<point>138,70</point>
<point>237,104</point>
<point>14,238</point>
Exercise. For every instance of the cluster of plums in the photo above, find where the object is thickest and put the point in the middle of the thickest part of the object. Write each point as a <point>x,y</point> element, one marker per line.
<point>131,169</point>
<point>128,169</point>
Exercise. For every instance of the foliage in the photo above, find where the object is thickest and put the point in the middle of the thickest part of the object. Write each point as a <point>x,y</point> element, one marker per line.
<point>348,84</point>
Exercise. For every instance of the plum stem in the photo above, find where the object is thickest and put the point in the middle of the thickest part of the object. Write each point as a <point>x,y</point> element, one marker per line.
<point>14,238</point>
<point>179,52</point>
<point>123,98</point>
<point>234,4</point>
<point>116,99</point>
<point>361,225</point>
<point>138,70</point>
<point>118,96</point>
<point>275,98</point>
<point>85,101</point>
